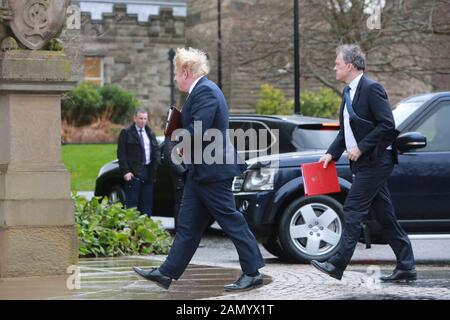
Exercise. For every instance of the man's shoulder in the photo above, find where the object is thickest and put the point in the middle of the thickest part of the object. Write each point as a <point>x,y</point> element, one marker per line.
<point>126,129</point>
<point>206,84</point>
<point>369,82</point>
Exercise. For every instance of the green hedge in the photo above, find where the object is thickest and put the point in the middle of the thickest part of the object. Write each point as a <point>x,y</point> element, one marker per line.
<point>88,103</point>
<point>110,230</point>
<point>322,103</point>
<point>272,101</point>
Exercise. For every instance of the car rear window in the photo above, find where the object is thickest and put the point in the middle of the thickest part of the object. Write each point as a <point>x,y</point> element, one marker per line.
<point>317,139</point>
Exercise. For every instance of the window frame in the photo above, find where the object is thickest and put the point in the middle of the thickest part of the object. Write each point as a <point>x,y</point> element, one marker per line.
<point>102,73</point>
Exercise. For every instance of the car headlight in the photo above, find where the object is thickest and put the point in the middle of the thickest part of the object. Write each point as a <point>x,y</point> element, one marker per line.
<point>237,183</point>
<point>259,180</point>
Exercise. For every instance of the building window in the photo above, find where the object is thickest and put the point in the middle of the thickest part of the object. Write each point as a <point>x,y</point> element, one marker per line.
<point>93,70</point>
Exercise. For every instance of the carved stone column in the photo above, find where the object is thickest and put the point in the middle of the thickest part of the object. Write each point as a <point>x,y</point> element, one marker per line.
<point>37,230</point>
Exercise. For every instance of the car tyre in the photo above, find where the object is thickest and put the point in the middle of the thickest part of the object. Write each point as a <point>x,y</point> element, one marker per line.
<point>311,228</point>
<point>116,194</point>
<point>274,247</point>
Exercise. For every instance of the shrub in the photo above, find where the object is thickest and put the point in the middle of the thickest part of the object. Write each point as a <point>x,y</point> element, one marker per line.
<point>117,104</point>
<point>272,101</point>
<point>97,132</point>
<point>110,230</point>
<point>89,103</point>
<point>81,105</point>
<point>323,103</point>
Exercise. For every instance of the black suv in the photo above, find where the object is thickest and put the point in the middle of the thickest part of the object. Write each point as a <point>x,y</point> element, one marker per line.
<point>302,228</point>
<point>295,133</point>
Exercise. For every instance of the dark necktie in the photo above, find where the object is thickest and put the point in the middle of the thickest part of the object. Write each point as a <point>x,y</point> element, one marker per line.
<point>141,141</point>
<point>348,102</point>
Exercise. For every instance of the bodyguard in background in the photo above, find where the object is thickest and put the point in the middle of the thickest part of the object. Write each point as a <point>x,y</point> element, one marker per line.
<point>207,192</point>
<point>367,134</point>
<point>139,157</point>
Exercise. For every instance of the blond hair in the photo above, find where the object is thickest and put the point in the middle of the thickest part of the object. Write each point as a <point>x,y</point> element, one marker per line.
<point>194,60</point>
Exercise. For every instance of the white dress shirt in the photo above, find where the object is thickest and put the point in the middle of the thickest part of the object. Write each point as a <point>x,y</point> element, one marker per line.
<point>194,83</point>
<point>350,141</point>
<point>146,144</point>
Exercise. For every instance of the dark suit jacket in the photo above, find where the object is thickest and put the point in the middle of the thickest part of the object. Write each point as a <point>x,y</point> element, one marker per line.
<point>129,151</point>
<point>374,126</point>
<point>207,104</point>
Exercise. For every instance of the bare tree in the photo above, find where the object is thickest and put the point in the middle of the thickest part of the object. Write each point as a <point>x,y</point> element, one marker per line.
<point>405,39</point>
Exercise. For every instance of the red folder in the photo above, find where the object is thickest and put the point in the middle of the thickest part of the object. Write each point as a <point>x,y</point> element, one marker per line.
<point>318,180</point>
<point>173,121</point>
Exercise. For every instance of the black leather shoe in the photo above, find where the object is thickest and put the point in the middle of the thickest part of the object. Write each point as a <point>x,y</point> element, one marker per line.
<point>245,282</point>
<point>154,275</point>
<point>399,275</point>
<point>328,268</point>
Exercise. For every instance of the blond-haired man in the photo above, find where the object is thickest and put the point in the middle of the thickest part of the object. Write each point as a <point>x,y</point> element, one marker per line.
<point>207,193</point>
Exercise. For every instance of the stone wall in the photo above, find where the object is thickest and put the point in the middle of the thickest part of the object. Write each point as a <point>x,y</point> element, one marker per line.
<point>135,54</point>
<point>240,83</point>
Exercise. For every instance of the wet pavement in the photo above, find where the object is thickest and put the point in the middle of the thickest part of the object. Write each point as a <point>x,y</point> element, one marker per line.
<point>216,263</point>
<point>113,279</point>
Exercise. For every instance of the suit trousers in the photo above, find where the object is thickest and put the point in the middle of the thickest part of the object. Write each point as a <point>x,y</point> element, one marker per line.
<point>200,203</point>
<point>139,192</point>
<point>369,191</point>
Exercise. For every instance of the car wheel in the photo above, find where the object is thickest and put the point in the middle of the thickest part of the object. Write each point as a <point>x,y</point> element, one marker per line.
<point>116,194</point>
<point>311,228</point>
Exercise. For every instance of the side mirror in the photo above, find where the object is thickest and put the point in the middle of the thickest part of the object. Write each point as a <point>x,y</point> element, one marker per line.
<point>410,141</point>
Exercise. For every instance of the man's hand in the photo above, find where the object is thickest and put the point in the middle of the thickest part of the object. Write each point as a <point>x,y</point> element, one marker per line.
<point>325,159</point>
<point>128,176</point>
<point>353,154</point>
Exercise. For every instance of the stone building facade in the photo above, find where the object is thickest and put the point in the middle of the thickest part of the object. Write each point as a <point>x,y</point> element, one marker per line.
<point>240,82</point>
<point>126,43</point>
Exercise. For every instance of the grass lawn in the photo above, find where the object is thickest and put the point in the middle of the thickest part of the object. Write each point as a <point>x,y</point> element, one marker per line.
<point>83,162</point>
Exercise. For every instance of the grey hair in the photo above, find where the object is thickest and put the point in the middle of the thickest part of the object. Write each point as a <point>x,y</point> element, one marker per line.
<point>140,110</point>
<point>352,53</point>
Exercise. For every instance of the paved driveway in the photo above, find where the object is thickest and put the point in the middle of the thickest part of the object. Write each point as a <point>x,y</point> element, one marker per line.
<point>360,281</point>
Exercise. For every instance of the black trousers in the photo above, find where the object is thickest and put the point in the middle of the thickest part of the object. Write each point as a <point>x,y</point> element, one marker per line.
<point>200,203</point>
<point>370,191</point>
<point>139,192</point>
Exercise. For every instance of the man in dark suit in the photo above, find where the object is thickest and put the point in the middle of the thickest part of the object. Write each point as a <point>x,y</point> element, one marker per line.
<point>139,156</point>
<point>368,135</point>
<point>207,192</point>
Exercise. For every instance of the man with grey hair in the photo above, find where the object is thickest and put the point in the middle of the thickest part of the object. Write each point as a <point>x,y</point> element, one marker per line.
<point>368,136</point>
<point>139,157</point>
<point>207,191</point>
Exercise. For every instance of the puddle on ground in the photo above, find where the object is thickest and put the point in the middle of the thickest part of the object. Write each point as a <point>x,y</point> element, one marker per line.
<point>113,278</point>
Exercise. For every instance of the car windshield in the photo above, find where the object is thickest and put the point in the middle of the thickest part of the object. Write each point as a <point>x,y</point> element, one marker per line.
<point>313,138</point>
<point>404,109</point>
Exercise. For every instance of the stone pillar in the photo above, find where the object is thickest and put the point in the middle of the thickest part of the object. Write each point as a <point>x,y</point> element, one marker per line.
<point>37,228</point>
